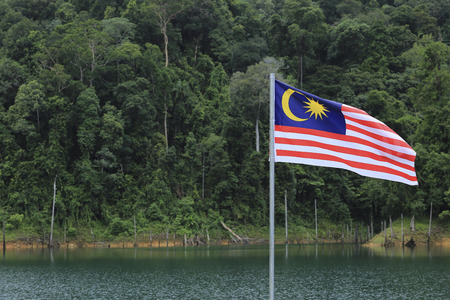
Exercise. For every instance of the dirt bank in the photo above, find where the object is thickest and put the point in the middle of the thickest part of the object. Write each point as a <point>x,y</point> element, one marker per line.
<point>444,242</point>
<point>124,244</point>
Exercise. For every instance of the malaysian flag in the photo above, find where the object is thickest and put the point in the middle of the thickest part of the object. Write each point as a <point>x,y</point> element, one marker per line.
<point>314,131</point>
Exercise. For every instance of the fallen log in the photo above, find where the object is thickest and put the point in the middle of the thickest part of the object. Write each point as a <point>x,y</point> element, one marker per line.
<point>234,240</point>
<point>238,238</point>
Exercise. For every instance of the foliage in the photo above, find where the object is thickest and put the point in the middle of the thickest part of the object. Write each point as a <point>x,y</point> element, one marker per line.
<point>158,110</point>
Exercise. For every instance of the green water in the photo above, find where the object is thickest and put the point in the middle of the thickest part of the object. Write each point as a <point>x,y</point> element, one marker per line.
<point>228,272</point>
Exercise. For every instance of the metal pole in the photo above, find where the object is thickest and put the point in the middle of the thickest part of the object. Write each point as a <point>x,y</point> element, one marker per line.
<point>272,187</point>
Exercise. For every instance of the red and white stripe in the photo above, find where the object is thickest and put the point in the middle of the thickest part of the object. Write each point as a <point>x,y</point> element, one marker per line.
<point>369,148</point>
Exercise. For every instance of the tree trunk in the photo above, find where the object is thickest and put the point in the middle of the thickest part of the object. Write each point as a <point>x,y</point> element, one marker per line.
<point>93,236</point>
<point>371,228</point>
<point>257,124</point>
<point>166,44</point>
<point>164,17</point>
<point>347,234</point>
<point>197,41</point>
<point>50,244</point>
<point>163,27</point>
<point>4,239</point>
<point>167,237</point>
<point>203,176</point>
<point>81,73</point>
<point>429,227</point>
<point>351,228</point>
<point>403,236</point>
<point>368,232</point>
<point>239,239</point>
<point>285,215</point>
<point>257,134</point>
<point>392,229</point>
<point>135,232</point>
<point>165,125</point>
<point>150,237</point>
<point>315,214</point>
<point>413,225</point>
<point>356,233</point>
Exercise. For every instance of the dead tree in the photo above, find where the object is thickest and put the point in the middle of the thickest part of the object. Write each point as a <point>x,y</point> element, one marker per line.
<point>135,233</point>
<point>371,227</point>
<point>285,215</point>
<point>50,244</point>
<point>413,224</point>
<point>4,241</point>
<point>93,236</point>
<point>403,236</point>
<point>234,235</point>
<point>150,237</point>
<point>167,237</point>
<point>392,229</point>
<point>429,227</point>
<point>315,213</point>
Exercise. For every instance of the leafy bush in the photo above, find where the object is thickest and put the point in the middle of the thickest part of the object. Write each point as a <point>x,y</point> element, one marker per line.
<point>71,232</point>
<point>117,226</point>
<point>15,221</point>
<point>444,216</point>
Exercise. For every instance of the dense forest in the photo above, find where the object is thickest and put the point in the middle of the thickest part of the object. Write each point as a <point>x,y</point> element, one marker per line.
<point>158,111</point>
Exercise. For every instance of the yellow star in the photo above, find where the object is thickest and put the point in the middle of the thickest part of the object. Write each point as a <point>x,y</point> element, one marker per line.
<point>315,108</point>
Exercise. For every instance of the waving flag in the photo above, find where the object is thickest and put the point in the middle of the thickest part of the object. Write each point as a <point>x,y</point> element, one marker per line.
<point>314,131</point>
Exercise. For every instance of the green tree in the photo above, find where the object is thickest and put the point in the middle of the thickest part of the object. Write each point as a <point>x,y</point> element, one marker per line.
<point>250,92</point>
<point>24,115</point>
<point>16,43</point>
<point>348,42</point>
<point>164,12</point>
<point>84,46</point>
<point>119,29</point>
<point>306,28</point>
<point>88,118</point>
<point>13,76</point>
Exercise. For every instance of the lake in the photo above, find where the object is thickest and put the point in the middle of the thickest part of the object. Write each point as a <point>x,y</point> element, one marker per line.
<point>227,272</point>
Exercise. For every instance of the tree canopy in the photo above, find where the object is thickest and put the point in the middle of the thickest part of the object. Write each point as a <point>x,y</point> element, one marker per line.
<point>159,109</point>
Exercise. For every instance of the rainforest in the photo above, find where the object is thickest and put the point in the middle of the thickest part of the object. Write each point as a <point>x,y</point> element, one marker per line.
<point>153,115</point>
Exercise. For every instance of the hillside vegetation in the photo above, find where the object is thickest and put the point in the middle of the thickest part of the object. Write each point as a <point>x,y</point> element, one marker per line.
<point>156,112</point>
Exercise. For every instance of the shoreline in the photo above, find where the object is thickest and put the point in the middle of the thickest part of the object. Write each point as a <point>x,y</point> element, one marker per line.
<point>443,242</point>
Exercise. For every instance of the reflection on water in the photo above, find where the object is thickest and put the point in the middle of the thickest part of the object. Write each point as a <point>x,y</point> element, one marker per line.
<point>357,250</point>
<point>233,272</point>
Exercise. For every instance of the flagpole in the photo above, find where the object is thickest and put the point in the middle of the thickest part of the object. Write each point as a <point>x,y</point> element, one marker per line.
<point>272,187</point>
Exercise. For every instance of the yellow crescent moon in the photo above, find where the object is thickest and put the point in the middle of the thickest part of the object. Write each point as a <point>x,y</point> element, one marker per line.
<point>285,104</point>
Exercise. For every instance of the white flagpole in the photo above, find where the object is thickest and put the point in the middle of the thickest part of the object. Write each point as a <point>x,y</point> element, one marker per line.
<point>272,187</point>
